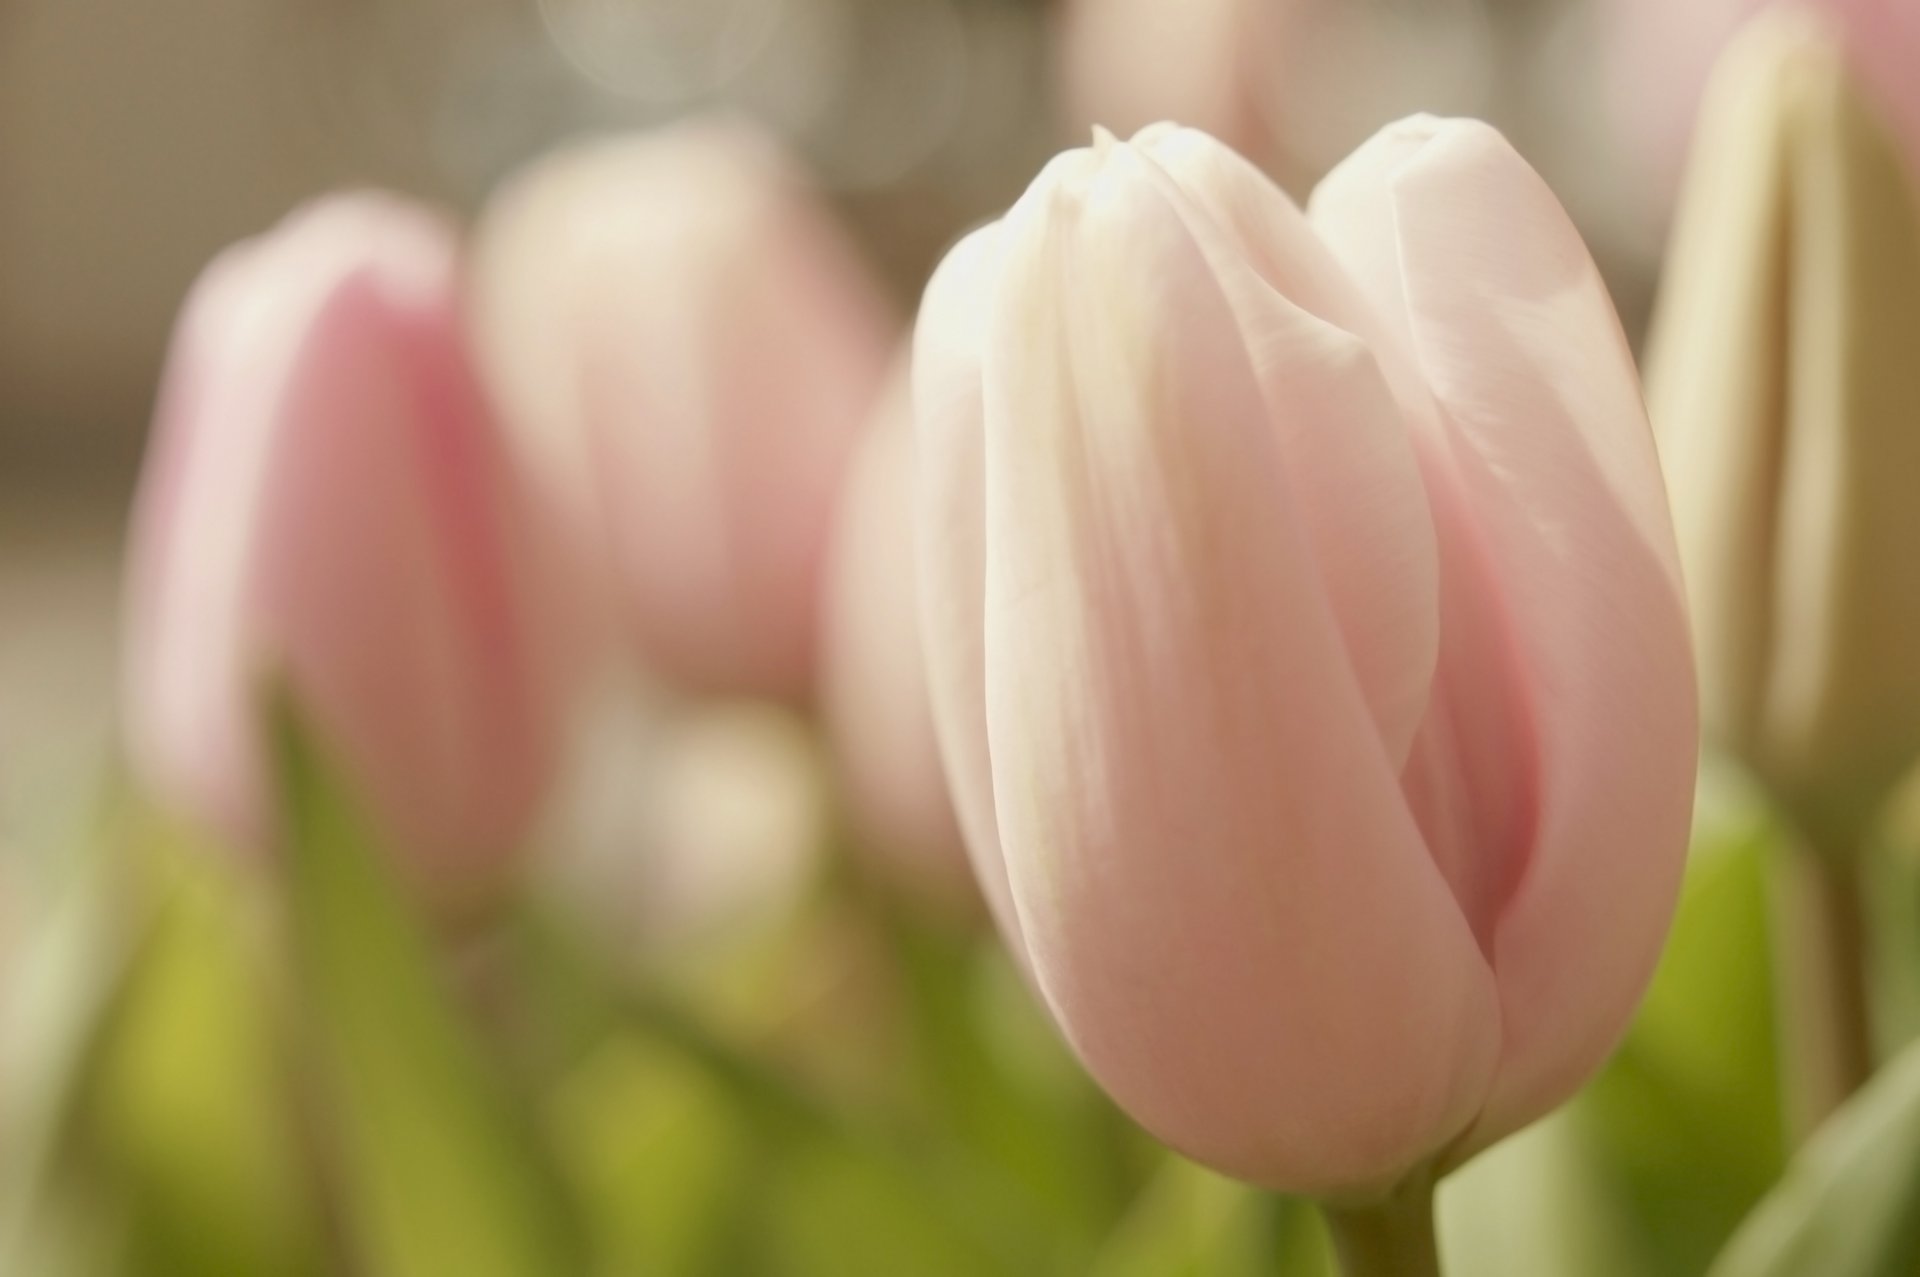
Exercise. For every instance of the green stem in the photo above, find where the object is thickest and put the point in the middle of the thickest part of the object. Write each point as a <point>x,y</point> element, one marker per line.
<point>1393,1237</point>
<point>1821,964</point>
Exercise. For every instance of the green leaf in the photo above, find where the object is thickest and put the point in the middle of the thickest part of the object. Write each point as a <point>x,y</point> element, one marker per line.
<point>55,1006</point>
<point>664,1161</point>
<point>188,1107</point>
<point>1850,1203</point>
<point>438,1170</point>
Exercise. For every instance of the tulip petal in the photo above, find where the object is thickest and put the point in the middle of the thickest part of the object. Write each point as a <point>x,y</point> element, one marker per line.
<point>949,344</point>
<point>1462,244</point>
<point>326,506</point>
<point>1225,903</point>
<point>685,347</point>
<point>874,680</point>
<point>1351,465</point>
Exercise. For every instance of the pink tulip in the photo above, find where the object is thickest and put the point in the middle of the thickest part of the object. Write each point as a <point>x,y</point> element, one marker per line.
<point>324,502</point>
<point>1662,51</point>
<point>1306,641</point>
<point>874,685</point>
<point>685,348</point>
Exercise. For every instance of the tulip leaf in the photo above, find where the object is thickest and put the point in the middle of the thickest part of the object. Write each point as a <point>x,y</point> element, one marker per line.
<point>663,1159</point>
<point>439,1172</point>
<point>56,1006</point>
<point>1849,1205</point>
<point>187,1106</point>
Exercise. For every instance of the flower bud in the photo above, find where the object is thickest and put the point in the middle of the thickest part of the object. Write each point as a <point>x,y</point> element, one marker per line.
<point>1306,641</point>
<point>874,684</point>
<point>1787,394</point>
<point>324,503</point>
<point>1660,55</point>
<point>685,348</point>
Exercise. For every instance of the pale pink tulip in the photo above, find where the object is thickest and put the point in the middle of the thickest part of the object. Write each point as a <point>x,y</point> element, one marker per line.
<point>874,683</point>
<point>1306,641</point>
<point>1660,53</point>
<point>324,503</point>
<point>685,348</point>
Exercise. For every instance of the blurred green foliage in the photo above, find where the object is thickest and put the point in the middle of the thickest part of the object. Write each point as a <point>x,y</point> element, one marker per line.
<point>298,1071</point>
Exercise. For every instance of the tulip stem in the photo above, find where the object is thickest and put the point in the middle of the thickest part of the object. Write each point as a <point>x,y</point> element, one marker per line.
<point>1821,962</point>
<point>1393,1237</point>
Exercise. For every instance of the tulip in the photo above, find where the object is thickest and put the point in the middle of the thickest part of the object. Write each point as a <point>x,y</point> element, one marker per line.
<point>874,684</point>
<point>1787,396</point>
<point>1306,642</point>
<point>324,504</point>
<point>685,348</point>
<point>1661,54</point>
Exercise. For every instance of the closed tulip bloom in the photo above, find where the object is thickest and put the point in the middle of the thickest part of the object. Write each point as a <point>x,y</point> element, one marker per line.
<point>1662,53</point>
<point>1306,641</point>
<point>685,348</point>
<point>1787,395</point>
<point>324,503</point>
<point>874,684</point>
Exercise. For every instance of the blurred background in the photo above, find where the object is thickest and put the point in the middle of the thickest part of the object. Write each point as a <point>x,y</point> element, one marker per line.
<point>137,140</point>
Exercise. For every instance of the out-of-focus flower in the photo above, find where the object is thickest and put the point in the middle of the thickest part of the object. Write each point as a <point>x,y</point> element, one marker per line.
<point>1786,391</point>
<point>874,685</point>
<point>1295,84</point>
<point>1661,52</point>
<point>325,503</point>
<point>685,349</point>
<point>1306,641</point>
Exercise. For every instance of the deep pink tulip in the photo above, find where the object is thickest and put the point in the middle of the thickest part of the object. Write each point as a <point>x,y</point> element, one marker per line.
<point>685,348</point>
<point>324,502</point>
<point>874,684</point>
<point>1306,641</point>
<point>1661,52</point>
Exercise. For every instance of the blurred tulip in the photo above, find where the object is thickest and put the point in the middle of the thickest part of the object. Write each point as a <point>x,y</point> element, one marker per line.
<point>683,827</point>
<point>324,502</point>
<point>685,349</point>
<point>1787,392</point>
<point>874,684</point>
<point>1662,51</point>
<point>1306,641</point>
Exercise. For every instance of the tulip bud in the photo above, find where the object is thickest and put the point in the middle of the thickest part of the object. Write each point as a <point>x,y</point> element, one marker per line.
<point>324,503</point>
<point>1787,392</point>
<point>685,348</point>
<point>874,685</point>
<point>1661,55</point>
<point>1306,641</point>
